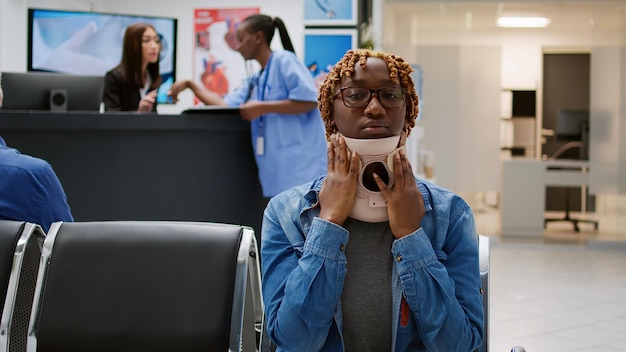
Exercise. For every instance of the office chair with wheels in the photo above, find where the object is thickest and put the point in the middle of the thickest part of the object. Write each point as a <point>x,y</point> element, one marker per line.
<point>20,250</point>
<point>566,217</point>
<point>148,286</point>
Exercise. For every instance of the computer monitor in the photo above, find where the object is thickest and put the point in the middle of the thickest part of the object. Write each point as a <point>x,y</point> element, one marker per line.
<point>570,124</point>
<point>51,91</point>
<point>90,43</point>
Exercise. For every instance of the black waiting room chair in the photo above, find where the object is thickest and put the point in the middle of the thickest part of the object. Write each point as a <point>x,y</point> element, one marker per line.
<point>147,286</point>
<point>20,250</point>
<point>484,258</point>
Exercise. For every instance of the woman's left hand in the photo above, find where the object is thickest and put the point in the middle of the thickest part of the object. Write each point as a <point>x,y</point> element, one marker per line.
<point>405,203</point>
<point>251,110</point>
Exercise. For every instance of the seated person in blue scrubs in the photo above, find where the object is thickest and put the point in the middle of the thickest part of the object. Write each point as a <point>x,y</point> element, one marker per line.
<point>280,102</point>
<point>368,257</point>
<point>29,189</point>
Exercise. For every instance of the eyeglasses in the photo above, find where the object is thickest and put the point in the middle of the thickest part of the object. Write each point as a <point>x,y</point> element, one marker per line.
<point>360,97</point>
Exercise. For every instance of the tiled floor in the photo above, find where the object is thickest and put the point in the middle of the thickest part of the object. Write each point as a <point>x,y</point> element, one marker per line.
<point>565,292</point>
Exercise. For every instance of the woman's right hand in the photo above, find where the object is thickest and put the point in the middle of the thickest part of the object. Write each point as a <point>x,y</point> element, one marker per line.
<point>206,96</point>
<point>339,188</point>
<point>178,87</point>
<point>146,103</point>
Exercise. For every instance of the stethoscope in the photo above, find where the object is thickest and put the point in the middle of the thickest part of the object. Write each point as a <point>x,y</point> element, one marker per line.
<point>261,87</point>
<point>327,11</point>
<point>252,82</point>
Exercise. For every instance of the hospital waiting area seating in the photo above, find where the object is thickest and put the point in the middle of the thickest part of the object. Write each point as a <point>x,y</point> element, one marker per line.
<point>139,285</point>
<point>20,252</point>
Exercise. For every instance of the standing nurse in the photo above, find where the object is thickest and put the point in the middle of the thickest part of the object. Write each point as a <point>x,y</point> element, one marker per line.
<point>280,101</point>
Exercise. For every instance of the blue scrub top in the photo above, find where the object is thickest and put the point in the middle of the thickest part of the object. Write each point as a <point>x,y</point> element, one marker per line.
<point>294,145</point>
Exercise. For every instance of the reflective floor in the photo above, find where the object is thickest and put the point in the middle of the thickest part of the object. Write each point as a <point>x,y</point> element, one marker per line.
<point>564,292</point>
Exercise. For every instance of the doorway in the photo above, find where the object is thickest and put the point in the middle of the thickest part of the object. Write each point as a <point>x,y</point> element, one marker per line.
<point>566,82</point>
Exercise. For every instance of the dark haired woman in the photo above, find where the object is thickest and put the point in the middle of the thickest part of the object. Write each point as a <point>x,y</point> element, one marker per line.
<point>132,84</point>
<point>280,102</point>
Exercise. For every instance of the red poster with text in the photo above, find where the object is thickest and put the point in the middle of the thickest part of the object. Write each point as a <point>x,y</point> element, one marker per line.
<point>218,66</point>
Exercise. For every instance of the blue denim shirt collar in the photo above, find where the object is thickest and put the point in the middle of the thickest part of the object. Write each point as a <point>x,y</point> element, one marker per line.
<point>437,266</point>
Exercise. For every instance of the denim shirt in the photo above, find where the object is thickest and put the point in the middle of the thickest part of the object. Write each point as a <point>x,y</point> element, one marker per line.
<point>436,295</point>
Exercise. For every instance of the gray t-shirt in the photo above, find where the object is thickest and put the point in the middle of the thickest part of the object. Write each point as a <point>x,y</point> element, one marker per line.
<point>366,297</point>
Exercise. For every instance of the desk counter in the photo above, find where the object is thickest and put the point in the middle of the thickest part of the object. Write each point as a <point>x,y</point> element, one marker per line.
<point>129,166</point>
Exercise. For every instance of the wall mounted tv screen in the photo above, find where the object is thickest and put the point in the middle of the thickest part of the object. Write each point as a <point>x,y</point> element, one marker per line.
<point>90,43</point>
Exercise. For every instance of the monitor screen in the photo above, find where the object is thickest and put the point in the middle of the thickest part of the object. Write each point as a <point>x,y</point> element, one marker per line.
<point>51,91</point>
<point>90,43</point>
<point>571,124</point>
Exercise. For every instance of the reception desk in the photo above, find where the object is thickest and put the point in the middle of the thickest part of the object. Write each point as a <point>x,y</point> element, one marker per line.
<point>524,183</point>
<point>129,166</point>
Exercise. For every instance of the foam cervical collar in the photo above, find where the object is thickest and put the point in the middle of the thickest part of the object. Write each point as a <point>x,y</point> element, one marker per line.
<point>376,156</point>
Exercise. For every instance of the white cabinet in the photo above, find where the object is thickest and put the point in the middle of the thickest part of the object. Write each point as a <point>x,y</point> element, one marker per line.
<point>518,127</point>
<point>524,183</point>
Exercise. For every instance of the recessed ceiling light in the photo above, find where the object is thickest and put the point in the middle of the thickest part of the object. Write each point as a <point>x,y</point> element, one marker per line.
<point>523,22</point>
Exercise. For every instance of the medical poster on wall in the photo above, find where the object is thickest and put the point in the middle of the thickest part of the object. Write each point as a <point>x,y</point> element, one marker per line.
<point>217,65</point>
<point>323,48</point>
<point>330,12</point>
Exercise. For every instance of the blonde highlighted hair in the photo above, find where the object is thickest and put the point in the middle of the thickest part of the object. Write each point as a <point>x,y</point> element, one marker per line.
<point>399,72</point>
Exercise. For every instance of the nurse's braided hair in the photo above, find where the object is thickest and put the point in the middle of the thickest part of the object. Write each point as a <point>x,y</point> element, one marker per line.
<point>400,72</point>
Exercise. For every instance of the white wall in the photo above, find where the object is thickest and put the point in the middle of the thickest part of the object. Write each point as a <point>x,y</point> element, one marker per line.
<point>607,128</point>
<point>607,90</point>
<point>460,98</point>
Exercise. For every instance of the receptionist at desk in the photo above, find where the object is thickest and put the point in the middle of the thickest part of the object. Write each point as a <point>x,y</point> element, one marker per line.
<point>126,88</point>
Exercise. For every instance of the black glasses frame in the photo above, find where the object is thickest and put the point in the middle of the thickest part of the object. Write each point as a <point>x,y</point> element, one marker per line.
<point>372,92</point>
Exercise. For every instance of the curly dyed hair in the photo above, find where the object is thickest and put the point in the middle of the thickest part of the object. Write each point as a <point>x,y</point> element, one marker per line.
<point>399,72</point>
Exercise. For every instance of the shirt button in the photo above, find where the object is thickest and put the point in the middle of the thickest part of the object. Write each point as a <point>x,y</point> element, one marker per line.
<point>342,248</point>
<point>399,258</point>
